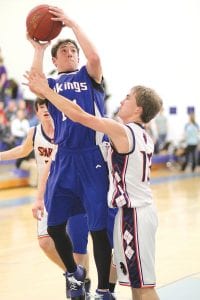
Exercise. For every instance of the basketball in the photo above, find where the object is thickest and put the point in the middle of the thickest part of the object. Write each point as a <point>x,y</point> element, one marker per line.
<point>40,26</point>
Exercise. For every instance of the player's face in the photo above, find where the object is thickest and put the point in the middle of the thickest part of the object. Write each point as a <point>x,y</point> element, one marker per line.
<point>43,113</point>
<point>67,58</point>
<point>129,111</point>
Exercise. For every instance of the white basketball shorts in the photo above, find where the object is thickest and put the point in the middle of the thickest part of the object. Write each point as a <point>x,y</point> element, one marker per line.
<point>134,246</point>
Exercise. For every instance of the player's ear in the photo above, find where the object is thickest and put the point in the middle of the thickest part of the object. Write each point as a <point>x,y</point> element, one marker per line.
<point>139,110</point>
<point>54,61</point>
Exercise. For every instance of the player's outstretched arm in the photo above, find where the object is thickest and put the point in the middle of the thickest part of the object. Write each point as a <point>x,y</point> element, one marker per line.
<point>19,151</point>
<point>112,128</point>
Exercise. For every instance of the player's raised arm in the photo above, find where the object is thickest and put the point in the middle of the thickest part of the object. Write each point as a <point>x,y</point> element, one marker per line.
<point>38,56</point>
<point>93,59</point>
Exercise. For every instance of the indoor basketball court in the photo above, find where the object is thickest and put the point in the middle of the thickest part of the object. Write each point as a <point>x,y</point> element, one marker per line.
<point>140,42</point>
<point>26,273</point>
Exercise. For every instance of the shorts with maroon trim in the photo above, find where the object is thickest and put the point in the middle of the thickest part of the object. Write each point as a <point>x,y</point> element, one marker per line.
<point>134,246</point>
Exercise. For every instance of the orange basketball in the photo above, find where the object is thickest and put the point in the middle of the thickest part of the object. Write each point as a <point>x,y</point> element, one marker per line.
<point>40,26</point>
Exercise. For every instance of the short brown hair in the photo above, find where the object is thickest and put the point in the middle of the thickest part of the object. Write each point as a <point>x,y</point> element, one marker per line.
<point>149,100</point>
<point>54,49</point>
<point>39,102</point>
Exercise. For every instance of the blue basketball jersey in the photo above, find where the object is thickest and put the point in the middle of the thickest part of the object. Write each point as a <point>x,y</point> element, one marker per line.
<point>79,87</point>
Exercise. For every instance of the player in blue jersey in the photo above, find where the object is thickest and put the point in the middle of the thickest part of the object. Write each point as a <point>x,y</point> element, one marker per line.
<point>129,162</point>
<point>78,179</point>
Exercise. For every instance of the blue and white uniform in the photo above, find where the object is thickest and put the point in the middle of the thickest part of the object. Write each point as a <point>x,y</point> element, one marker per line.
<point>45,148</point>
<point>136,220</point>
<point>78,180</point>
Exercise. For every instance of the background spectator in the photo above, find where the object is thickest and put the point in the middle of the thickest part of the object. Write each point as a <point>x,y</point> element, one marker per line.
<point>192,140</point>
<point>3,79</point>
<point>7,141</point>
<point>162,129</point>
<point>11,110</point>
<point>20,126</point>
<point>13,89</point>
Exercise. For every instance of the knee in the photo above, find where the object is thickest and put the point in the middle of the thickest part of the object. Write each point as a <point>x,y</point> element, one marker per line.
<point>45,243</point>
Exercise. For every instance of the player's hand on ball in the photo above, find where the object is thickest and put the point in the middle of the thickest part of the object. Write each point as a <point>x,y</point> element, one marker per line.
<point>36,43</point>
<point>61,16</point>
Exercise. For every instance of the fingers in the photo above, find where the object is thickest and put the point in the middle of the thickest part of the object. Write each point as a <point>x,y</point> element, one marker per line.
<point>27,77</point>
<point>42,212</point>
<point>37,43</point>
<point>33,75</point>
<point>57,12</point>
<point>35,213</point>
<point>38,213</point>
<point>54,8</point>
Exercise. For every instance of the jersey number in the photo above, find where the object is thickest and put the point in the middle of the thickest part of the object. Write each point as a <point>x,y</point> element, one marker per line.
<point>146,165</point>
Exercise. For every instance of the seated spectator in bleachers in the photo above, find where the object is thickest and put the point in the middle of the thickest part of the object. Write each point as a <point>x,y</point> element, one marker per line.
<point>11,110</point>
<point>2,112</point>
<point>20,126</point>
<point>21,104</point>
<point>3,80</point>
<point>13,89</point>
<point>7,141</point>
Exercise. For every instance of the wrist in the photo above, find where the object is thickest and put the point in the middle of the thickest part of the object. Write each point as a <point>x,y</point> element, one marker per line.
<point>75,26</point>
<point>47,92</point>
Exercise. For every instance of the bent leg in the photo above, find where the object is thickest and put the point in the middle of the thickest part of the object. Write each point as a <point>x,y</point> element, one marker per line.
<point>63,246</point>
<point>47,245</point>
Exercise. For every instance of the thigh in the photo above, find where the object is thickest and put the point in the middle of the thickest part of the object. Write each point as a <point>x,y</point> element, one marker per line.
<point>61,204</point>
<point>95,189</point>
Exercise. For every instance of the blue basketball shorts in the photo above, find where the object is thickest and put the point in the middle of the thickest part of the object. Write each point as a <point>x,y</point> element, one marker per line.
<point>78,183</point>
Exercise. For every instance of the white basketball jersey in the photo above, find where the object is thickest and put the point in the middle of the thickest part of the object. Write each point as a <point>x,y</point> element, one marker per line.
<point>44,148</point>
<point>129,173</point>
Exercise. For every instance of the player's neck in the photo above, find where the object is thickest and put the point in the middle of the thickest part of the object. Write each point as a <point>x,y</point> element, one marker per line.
<point>48,129</point>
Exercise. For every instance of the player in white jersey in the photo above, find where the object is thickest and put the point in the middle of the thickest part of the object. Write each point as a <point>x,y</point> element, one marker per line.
<point>41,140</point>
<point>129,166</point>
